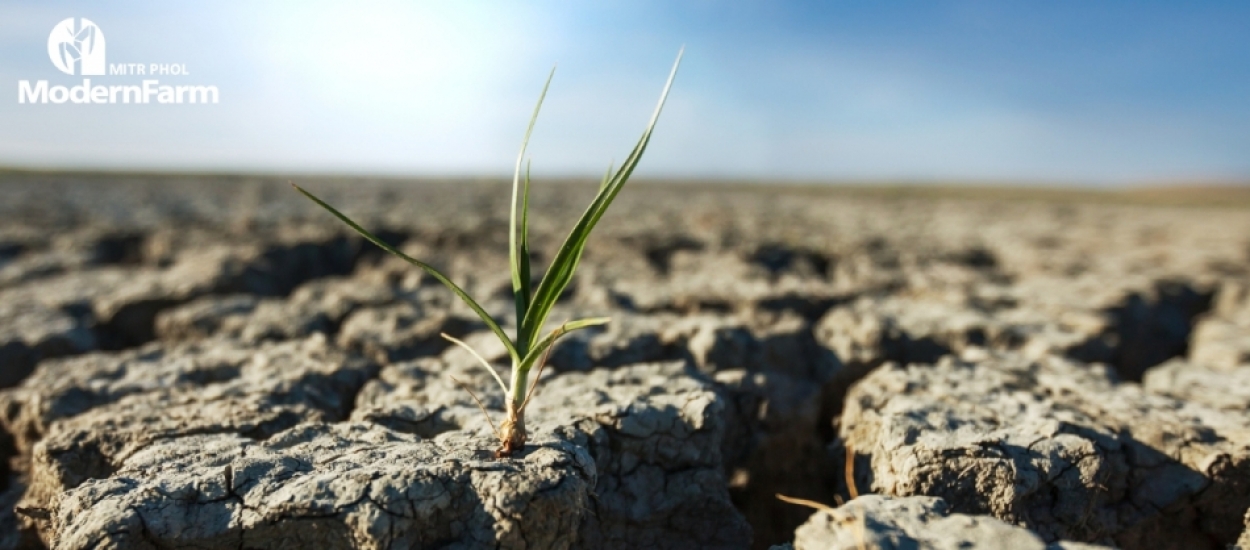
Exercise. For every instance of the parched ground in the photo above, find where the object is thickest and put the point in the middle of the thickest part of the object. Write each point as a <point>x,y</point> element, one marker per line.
<point>214,362</point>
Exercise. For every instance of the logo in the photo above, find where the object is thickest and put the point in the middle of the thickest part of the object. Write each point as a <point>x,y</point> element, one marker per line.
<point>77,50</point>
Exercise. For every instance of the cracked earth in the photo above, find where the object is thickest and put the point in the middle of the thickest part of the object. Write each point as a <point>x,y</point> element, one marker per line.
<point>216,363</point>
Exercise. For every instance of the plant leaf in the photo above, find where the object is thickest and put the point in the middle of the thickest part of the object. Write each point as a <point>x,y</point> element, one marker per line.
<point>555,334</point>
<point>565,262</point>
<point>524,251</point>
<point>606,176</point>
<point>519,259</point>
<point>485,364</point>
<point>486,318</point>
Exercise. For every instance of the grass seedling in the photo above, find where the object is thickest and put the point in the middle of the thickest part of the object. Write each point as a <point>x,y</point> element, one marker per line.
<point>533,305</point>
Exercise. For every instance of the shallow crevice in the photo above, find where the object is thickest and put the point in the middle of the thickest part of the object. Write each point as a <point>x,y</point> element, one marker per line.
<point>17,361</point>
<point>778,443</point>
<point>801,455</point>
<point>352,399</point>
<point>8,452</point>
<point>427,428</point>
<point>977,257</point>
<point>282,268</point>
<point>487,235</point>
<point>279,270</point>
<point>692,306</point>
<point>1147,329</point>
<point>778,259</point>
<point>12,535</point>
<point>10,250</point>
<point>810,308</point>
<point>122,248</point>
<point>833,397</point>
<point>422,338</point>
<point>779,456</point>
<point>575,353</point>
<point>132,325</point>
<point>659,250</point>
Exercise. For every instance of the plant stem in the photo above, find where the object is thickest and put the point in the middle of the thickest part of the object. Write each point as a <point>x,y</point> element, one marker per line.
<point>518,386</point>
<point>512,430</point>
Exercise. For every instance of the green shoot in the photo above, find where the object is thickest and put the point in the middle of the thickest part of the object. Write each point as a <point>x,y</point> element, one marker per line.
<point>533,305</point>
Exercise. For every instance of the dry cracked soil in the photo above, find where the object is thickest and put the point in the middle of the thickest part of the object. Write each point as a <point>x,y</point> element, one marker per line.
<point>213,362</point>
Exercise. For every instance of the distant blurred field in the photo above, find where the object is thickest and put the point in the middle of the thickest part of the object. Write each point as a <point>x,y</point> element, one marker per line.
<point>1229,194</point>
<point>1224,194</point>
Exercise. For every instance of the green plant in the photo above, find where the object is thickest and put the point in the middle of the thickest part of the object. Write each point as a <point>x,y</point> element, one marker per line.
<point>532,305</point>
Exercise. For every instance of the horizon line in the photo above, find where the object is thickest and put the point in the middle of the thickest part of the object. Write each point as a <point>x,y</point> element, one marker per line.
<point>832,181</point>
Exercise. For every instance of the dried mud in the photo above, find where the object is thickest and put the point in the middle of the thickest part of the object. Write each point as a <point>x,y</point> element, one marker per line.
<point>214,362</point>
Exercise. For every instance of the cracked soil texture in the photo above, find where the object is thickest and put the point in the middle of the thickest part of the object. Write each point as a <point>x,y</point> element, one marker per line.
<point>213,362</point>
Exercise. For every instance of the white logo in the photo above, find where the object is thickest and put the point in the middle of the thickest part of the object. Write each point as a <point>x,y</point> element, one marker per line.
<point>78,51</point>
<point>76,48</point>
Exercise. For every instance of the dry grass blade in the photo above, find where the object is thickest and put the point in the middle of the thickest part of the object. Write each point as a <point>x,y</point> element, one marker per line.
<point>860,526</point>
<point>805,502</point>
<point>485,364</point>
<point>481,406</point>
<point>861,536</point>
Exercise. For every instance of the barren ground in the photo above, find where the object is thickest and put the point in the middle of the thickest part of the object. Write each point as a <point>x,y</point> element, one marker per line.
<point>213,362</point>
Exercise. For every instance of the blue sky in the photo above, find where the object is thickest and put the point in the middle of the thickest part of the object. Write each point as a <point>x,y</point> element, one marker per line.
<point>1062,91</point>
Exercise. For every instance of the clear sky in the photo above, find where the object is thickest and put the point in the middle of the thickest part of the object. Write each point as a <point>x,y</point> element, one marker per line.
<point>1057,91</point>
